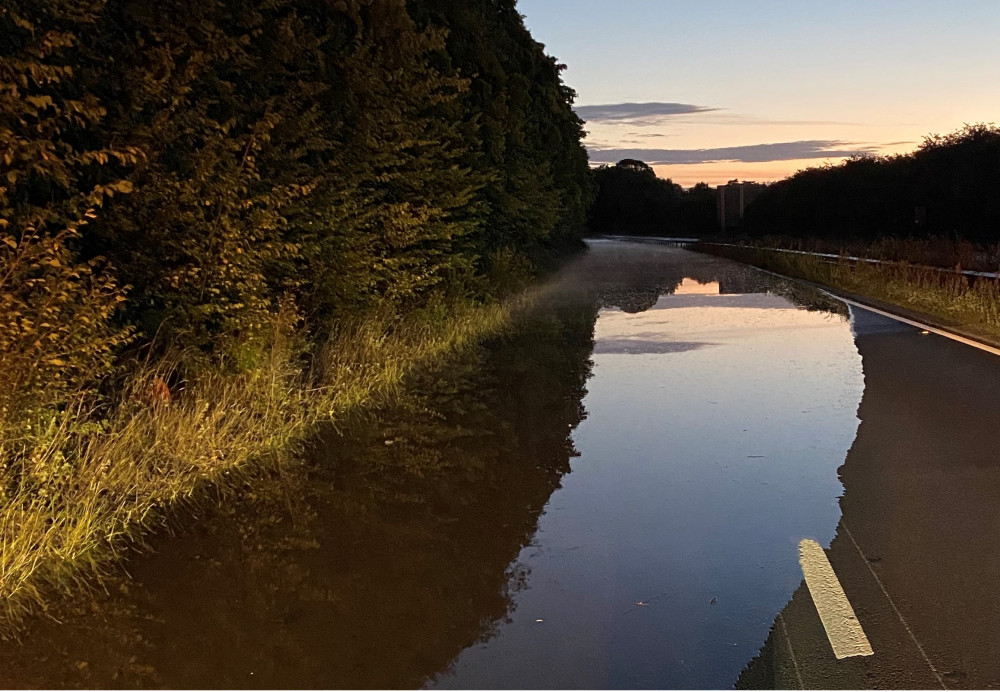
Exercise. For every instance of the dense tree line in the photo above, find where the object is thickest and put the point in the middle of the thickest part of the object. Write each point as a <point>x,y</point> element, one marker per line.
<point>189,169</point>
<point>949,186</point>
<point>631,200</point>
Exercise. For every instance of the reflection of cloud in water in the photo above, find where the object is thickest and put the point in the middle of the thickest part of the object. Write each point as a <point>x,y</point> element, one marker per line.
<point>728,300</point>
<point>705,299</point>
<point>638,346</point>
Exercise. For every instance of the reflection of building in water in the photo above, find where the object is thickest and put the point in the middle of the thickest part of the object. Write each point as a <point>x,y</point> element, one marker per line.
<point>694,287</point>
<point>917,549</point>
<point>745,281</point>
<point>732,199</point>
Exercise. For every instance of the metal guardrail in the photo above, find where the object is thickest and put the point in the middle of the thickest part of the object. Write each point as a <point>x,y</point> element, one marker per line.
<point>683,242</point>
<point>653,240</point>
<point>830,255</point>
<point>947,333</point>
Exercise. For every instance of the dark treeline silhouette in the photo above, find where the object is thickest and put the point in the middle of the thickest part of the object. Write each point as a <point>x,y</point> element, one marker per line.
<point>949,186</point>
<point>528,138</point>
<point>190,169</point>
<point>632,200</point>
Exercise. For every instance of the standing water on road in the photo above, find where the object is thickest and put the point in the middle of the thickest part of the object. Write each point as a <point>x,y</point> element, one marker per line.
<point>717,415</point>
<point>611,496</point>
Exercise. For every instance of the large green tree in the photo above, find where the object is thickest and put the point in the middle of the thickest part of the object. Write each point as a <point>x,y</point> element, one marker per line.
<point>56,332</point>
<point>539,186</point>
<point>237,158</point>
<point>949,186</point>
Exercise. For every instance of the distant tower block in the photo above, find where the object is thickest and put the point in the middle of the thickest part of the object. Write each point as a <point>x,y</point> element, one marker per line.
<point>732,199</point>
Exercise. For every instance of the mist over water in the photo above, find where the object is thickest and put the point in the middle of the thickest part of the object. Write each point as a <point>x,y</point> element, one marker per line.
<point>609,496</point>
<point>717,416</point>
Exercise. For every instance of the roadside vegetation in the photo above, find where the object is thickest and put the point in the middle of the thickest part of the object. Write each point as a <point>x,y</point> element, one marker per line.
<point>631,200</point>
<point>950,299</point>
<point>85,481</point>
<point>223,222</point>
<point>949,187</point>
<point>935,208</point>
<point>934,251</point>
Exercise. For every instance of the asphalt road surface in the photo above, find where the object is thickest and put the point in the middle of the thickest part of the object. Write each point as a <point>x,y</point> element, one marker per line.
<point>917,548</point>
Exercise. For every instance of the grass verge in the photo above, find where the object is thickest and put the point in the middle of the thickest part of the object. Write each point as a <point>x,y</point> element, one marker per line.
<point>949,253</point>
<point>952,300</point>
<point>79,486</point>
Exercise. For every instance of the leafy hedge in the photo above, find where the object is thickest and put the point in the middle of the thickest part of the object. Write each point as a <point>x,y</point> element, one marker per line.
<point>176,172</point>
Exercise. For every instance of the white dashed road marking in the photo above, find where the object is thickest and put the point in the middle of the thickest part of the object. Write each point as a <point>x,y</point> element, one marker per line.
<point>841,624</point>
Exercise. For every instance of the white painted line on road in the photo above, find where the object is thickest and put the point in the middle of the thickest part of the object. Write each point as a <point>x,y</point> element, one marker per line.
<point>841,624</point>
<point>905,320</point>
<point>791,651</point>
<point>913,323</point>
<point>895,609</point>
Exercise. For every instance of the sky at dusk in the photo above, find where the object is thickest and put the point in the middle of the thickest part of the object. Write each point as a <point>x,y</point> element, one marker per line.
<point>710,91</point>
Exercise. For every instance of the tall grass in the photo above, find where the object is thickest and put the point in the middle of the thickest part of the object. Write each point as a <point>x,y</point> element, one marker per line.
<point>80,485</point>
<point>956,300</point>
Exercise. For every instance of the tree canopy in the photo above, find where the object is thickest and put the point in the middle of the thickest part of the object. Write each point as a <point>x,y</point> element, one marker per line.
<point>950,185</point>
<point>190,168</point>
<point>632,200</point>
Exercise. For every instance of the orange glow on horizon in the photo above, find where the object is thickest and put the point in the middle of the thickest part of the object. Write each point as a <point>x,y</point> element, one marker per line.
<point>702,134</point>
<point>720,173</point>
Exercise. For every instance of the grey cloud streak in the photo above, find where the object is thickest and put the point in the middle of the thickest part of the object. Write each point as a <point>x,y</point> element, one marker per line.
<point>752,153</point>
<point>657,113</point>
<point>612,112</point>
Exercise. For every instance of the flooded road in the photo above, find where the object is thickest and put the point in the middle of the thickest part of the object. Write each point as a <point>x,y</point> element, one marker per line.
<point>612,496</point>
<point>716,421</point>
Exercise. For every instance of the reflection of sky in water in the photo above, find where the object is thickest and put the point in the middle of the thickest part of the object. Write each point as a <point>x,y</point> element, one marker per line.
<point>689,320</point>
<point>716,424</point>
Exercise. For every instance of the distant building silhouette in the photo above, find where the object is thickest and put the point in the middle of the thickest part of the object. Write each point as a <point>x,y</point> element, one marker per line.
<point>732,199</point>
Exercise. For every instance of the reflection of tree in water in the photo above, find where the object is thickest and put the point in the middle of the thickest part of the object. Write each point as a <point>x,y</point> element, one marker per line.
<point>632,277</point>
<point>402,552</point>
<point>406,529</point>
<point>803,296</point>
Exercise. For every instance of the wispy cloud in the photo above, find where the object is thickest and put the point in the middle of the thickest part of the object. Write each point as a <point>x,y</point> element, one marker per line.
<point>655,113</point>
<point>778,151</point>
<point>617,112</point>
<point>721,116</point>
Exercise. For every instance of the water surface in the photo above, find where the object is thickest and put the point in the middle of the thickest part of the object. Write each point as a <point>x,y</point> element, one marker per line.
<point>610,496</point>
<point>717,416</point>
